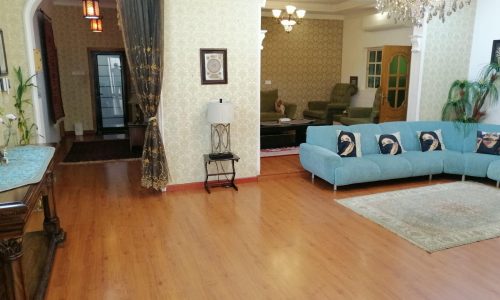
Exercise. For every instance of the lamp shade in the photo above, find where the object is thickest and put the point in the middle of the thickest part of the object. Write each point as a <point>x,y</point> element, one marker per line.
<point>220,112</point>
<point>91,9</point>
<point>96,25</point>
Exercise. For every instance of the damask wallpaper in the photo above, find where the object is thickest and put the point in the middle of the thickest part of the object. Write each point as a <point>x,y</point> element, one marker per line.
<point>189,26</point>
<point>11,23</point>
<point>304,64</point>
<point>73,37</point>
<point>446,59</point>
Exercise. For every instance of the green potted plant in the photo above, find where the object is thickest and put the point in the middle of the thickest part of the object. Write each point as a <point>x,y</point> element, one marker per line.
<point>468,100</point>
<point>25,128</point>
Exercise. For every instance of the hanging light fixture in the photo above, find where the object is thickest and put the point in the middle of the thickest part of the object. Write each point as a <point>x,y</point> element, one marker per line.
<point>91,9</point>
<point>415,11</point>
<point>96,25</point>
<point>292,17</point>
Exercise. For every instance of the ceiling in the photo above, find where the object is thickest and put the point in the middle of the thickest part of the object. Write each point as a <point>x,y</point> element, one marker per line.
<point>321,9</point>
<point>326,9</point>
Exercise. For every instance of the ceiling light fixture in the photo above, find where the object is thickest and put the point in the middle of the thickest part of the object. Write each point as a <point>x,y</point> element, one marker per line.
<point>292,17</point>
<point>91,9</point>
<point>415,11</point>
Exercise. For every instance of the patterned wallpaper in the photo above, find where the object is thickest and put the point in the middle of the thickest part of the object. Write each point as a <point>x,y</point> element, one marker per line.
<point>447,54</point>
<point>11,23</point>
<point>189,26</point>
<point>73,37</point>
<point>304,64</point>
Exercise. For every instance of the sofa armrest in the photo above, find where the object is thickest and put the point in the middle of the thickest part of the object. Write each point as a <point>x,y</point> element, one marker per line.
<point>290,110</point>
<point>317,105</point>
<point>359,112</point>
<point>320,161</point>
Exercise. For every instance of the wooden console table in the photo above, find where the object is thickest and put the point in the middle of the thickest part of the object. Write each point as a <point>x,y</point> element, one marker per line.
<point>26,258</point>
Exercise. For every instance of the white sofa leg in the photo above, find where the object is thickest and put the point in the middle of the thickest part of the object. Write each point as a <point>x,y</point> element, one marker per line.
<point>334,187</point>
<point>430,177</point>
<point>463,177</point>
<point>312,177</point>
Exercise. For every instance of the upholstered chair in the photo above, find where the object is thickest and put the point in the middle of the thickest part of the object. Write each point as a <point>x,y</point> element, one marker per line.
<point>267,107</point>
<point>329,111</point>
<point>362,115</point>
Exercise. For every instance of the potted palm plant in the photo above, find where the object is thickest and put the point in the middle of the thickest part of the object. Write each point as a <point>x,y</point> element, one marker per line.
<point>468,100</point>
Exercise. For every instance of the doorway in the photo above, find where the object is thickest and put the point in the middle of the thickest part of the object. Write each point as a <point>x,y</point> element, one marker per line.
<point>110,92</point>
<point>395,82</point>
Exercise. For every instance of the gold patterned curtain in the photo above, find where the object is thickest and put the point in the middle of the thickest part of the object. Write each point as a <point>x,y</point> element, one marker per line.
<point>141,22</point>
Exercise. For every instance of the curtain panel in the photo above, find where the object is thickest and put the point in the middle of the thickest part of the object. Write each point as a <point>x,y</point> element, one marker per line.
<point>141,22</point>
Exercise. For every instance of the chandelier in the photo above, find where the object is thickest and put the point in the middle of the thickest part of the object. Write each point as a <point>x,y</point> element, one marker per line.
<point>415,11</point>
<point>293,16</point>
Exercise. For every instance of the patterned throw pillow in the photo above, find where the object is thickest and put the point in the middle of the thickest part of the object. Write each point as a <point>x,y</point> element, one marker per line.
<point>390,143</point>
<point>431,140</point>
<point>349,143</point>
<point>279,106</point>
<point>488,142</point>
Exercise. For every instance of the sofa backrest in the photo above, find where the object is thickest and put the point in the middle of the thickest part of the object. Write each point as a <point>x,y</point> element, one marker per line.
<point>267,100</point>
<point>455,136</point>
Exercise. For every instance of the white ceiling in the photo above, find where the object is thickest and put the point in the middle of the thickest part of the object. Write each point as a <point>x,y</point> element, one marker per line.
<point>325,9</point>
<point>321,9</point>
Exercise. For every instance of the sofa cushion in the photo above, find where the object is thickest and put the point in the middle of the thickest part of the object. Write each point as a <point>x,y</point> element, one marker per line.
<point>494,170</point>
<point>477,164</point>
<point>390,143</point>
<point>425,163</point>
<point>314,114</point>
<point>267,100</point>
<point>356,170</point>
<point>390,166</point>
<point>348,144</point>
<point>270,116</point>
<point>431,140</point>
<point>488,142</point>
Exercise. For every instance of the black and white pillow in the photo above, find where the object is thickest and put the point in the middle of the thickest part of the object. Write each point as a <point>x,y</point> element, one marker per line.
<point>488,142</point>
<point>390,143</point>
<point>348,143</point>
<point>431,140</point>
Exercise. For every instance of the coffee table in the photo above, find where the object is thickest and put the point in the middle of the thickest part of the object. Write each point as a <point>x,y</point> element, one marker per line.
<point>277,135</point>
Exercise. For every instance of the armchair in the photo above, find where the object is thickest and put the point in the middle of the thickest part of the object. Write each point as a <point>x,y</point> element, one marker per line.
<point>340,99</point>
<point>268,111</point>
<point>362,115</point>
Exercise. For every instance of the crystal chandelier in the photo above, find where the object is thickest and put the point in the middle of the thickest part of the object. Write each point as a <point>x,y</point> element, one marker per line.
<point>415,11</point>
<point>292,17</point>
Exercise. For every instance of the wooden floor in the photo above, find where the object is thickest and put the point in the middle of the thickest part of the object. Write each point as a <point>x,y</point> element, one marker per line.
<point>280,238</point>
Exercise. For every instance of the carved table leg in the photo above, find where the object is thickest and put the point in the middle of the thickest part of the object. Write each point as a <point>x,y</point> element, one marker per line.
<point>11,252</point>
<point>51,223</point>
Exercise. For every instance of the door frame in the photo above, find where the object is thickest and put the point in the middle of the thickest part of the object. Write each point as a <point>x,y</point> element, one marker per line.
<point>93,82</point>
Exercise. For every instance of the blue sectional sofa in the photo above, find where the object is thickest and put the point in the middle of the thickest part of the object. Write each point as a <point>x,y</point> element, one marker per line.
<point>319,154</point>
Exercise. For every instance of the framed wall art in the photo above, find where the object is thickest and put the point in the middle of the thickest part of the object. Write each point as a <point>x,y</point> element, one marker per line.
<point>213,66</point>
<point>3,57</point>
<point>495,52</point>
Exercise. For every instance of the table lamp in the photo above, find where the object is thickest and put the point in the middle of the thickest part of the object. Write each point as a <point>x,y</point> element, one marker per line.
<point>219,115</point>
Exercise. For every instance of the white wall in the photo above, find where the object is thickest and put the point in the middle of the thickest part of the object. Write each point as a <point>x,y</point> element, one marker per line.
<point>486,30</point>
<point>356,40</point>
<point>189,26</point>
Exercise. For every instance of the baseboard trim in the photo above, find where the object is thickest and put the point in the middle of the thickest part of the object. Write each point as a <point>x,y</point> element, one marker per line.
<point>200,185</point>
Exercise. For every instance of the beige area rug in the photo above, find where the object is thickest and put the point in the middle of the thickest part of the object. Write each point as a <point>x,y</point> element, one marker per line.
<point>435,217</point>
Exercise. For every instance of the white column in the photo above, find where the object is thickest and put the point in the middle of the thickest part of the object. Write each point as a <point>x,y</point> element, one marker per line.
<point>416,71</point>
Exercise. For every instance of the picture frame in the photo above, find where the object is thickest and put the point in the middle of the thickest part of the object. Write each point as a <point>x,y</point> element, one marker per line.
<point>494,49</point>
<point>3,57</point>
<point>213,65</point>
<point>353,80</point>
